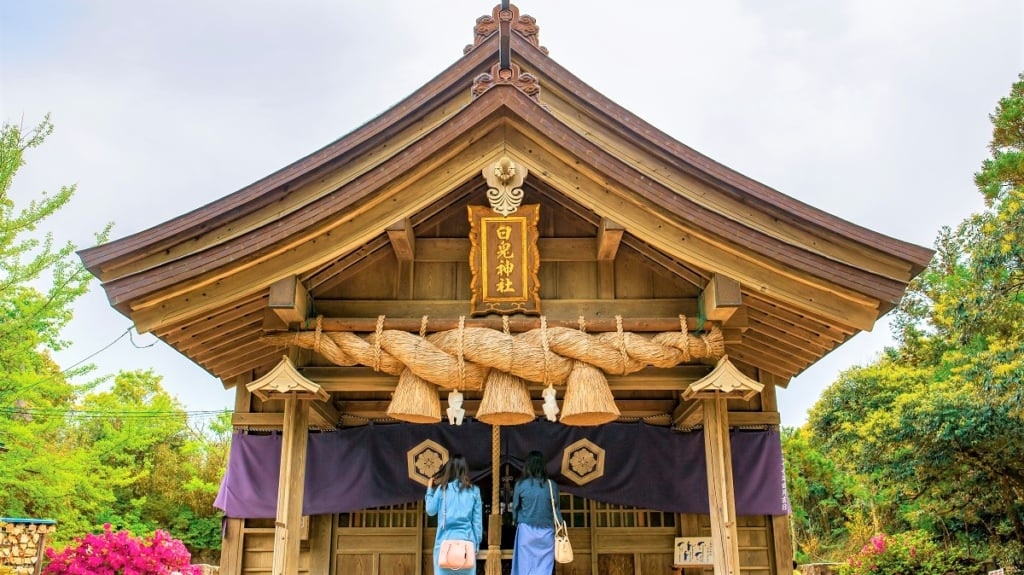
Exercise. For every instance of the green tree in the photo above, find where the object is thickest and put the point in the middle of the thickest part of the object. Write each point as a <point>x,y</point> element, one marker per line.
<point>934,425</point>
<point>32,318</point>
<point>164,470</point>
<point>118,450</point>
<point>824,497</point>
<point>42,476</point>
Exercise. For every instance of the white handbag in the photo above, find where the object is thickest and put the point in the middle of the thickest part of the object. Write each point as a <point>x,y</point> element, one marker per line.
<point>563,548</point>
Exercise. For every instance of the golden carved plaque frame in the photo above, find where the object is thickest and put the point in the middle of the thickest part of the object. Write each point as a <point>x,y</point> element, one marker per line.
<point>504,261</point>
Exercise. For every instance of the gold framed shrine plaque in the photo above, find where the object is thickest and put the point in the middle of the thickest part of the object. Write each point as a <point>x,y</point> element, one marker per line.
<point>504,260</point>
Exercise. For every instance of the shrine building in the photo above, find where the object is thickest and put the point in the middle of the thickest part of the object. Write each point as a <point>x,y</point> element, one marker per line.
<point>506,260</point>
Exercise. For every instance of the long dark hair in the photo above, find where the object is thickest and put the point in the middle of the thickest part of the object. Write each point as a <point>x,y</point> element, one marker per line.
<point>533,467</point>
<point>455,468</point>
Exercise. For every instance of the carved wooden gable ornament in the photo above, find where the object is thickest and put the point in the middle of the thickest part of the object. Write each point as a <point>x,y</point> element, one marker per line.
<point>503,257</point>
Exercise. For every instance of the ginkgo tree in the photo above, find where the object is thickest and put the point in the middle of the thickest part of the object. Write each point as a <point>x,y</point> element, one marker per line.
<point>113,449</point>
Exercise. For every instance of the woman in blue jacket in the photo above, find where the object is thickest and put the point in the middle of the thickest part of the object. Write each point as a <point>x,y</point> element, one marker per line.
<point>534,508</point>
<point>458,503</point>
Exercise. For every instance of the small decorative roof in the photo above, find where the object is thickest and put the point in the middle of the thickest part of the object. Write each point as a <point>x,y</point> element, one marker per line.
<point>726,380</point>
<point>285,380</point>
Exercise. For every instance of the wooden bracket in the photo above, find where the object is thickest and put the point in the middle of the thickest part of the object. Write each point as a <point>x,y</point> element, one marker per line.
<point>609,236</point>
<point>289,300</point>
<point>722,297</point>
<point>403,240</point>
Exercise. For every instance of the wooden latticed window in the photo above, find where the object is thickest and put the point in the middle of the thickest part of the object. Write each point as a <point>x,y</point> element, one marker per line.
<point>611,515</point>
<point>403,515</point>
<point>574,510</point>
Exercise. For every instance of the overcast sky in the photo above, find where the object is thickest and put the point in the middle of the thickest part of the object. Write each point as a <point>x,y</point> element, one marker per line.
<point>874,110</point>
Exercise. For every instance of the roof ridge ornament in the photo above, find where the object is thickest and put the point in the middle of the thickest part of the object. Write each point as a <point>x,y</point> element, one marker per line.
<point>488,24</point>
<point>525,81</point>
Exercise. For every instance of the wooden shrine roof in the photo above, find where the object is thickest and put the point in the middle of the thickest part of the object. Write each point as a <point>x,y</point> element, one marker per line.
<point>200,281</point>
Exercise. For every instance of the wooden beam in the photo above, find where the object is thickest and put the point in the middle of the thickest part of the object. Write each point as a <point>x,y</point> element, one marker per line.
<point>324,415</point>
<point>691,414</point>
<point>517,325</point>
<point>685,416</point>
<point>721,298</point>
<point>364,379</point>
<point>753,418</point>
<point>287,530</point>
<point>456,250</point>
<point>721,495</point>
<point>289,300</point>
<point>564,309</point>
<point>627,407</point>
<point>226,318</point>
<point>688,414</point>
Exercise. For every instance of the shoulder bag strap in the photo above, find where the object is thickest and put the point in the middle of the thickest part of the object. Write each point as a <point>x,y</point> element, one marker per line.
<point>554,513</point>
<point>444,509</point>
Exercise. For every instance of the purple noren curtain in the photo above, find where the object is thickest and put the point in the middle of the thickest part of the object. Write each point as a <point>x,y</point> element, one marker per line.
<point>644,466</point>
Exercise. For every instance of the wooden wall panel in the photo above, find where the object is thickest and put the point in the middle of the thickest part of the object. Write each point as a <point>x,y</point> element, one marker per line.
<point>435,280</point>
<point>633,278</point>
<point>655,563</point>
<point>616,564</point>
<point>754,536</point>
<point>576,280</point>
<point>376,551</point>
<point>397,563</point>
<point>463,279</point>
<point>355,564</point>
<point>257,551</point>
<point>376,281</point>
<point>580,565</point>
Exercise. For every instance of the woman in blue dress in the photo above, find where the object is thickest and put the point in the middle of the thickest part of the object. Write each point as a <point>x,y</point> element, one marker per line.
<point>457,502</point>
<point>532,501</point>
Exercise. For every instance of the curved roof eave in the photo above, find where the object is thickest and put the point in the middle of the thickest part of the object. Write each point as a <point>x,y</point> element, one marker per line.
<point>713,172</point>
<point>255,195</point>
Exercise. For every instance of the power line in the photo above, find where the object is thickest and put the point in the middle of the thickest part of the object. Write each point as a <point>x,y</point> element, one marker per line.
<point>64,371</point>
<point>44,412</point>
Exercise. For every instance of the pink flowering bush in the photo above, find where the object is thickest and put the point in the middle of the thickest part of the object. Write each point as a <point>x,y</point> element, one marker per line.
<point>120,553</point>
<point>903,554</point>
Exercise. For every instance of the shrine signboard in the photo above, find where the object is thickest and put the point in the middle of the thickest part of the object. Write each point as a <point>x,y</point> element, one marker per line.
<point>504,261</point>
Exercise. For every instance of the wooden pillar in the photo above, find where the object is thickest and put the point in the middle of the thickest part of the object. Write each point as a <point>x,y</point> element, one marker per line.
<point>718,453</point>
<point>321,537</point>
<point>782,535</point>
<point>231,543</point>
<point>287,529</point>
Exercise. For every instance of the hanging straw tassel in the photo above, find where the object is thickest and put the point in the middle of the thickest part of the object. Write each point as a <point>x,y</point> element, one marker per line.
<point>588,399</point>
<point>506,400</point>
<point>415,400</point>
<point>493,559</point>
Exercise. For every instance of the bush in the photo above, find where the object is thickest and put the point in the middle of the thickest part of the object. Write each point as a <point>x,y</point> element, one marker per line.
<point>911,552</point>
<point>120,553</point>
